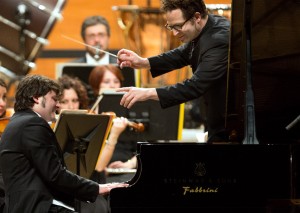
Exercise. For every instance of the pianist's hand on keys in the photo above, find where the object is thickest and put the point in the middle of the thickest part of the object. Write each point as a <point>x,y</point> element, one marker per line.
<point>105,188</point>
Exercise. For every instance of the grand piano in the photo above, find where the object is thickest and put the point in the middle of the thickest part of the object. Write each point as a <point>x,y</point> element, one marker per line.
<point>258,170</point>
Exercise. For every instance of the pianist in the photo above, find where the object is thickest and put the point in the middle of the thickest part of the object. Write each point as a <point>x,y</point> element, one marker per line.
<point>34,172</point>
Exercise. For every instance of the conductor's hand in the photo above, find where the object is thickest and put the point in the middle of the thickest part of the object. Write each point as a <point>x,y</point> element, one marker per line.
<point>128,58</point>
<point>134,94</point>
<point>105,188</point>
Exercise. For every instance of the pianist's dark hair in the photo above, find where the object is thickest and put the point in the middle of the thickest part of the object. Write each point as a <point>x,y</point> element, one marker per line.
<point>188,7</point>
<point>33,86</point>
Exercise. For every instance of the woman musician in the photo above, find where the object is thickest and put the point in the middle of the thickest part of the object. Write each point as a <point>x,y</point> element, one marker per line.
<point>3,91</point>
<point>5,115</point>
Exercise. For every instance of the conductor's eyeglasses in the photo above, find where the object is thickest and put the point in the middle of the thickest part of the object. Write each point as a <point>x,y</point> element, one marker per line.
<point>177,27</point>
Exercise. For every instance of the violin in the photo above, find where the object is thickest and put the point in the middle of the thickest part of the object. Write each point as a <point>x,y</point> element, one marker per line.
<point>138,127</point>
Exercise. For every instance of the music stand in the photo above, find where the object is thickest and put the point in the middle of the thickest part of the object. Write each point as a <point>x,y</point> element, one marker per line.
<point>80,136</point>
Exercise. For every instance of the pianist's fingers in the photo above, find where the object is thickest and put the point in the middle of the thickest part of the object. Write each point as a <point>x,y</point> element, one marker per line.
<point>105,188</point>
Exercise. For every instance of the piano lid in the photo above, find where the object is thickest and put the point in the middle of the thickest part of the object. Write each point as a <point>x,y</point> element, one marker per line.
<point>275,39</point>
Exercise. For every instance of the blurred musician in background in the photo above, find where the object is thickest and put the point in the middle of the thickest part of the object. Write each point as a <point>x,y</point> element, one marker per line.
<point>205,49</point>
<point>3,123</point>
<point>5,113</point>
<point>106,77</point>
<point>74,94</point>
<point>3,98</point>
<point>95,31</point>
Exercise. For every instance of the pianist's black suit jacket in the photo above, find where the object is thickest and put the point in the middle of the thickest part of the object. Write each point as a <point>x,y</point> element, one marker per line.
<point>33,167</point>
<point>208,57</point>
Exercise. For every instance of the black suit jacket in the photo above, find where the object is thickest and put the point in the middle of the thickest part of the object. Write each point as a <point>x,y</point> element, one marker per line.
<point>208,57</point>
<point>33,168</point>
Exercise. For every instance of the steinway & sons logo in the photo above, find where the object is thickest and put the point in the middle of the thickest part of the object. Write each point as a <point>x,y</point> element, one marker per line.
<point>199,171</point>
<point>201,182</point>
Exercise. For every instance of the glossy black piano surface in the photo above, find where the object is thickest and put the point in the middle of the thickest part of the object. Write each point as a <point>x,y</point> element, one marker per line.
<point>212,178</point>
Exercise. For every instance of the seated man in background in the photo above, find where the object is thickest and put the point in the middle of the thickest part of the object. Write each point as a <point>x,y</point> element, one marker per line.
<point>95,32</point>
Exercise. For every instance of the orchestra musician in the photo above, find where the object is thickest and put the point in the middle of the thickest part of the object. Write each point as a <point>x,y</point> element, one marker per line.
<point>95,32</point>
<point>4,115</point>
<point>3,98</point>
<point>205,49</point>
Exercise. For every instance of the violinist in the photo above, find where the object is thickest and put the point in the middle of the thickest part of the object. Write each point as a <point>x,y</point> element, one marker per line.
<point>110,77</point>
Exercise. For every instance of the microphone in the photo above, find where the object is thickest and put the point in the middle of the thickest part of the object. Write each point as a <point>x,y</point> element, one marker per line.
<point>97,53</point>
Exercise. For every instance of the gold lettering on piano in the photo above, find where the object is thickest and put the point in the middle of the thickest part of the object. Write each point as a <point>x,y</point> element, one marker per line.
<point>200,180</point>
<point>187,189</point>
